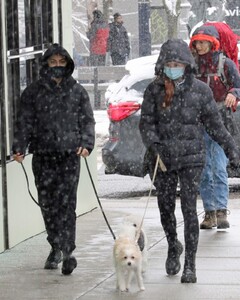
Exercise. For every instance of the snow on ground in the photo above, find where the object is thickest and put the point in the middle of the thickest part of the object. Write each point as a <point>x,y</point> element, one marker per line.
<point>102,124</point>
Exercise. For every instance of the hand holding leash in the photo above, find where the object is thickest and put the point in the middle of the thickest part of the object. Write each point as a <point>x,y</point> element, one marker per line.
<point>18,157</point>
<point>82,152</point>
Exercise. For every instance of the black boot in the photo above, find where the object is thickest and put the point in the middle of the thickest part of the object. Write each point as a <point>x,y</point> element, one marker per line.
<point>189,272</point>
<point>54,258</point>
<point>69,264</point>
<point>173,265</point>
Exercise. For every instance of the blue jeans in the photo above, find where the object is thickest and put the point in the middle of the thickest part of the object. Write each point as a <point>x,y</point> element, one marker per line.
<point>214,180</point>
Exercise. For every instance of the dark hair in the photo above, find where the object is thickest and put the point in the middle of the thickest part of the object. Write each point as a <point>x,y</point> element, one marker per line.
<point>116,15</point>
<point>97,14</point>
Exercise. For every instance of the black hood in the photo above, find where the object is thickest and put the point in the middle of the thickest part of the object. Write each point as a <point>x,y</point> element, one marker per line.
<point>175,50</point>
<point>56,49</point>
<point>97,14</point>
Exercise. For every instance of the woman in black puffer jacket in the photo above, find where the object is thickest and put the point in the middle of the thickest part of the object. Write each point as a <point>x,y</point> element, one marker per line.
<point>175,110</point>
<point>55,123</point>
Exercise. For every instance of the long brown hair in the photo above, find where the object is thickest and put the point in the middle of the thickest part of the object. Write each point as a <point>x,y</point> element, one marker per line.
<point>169,91</point>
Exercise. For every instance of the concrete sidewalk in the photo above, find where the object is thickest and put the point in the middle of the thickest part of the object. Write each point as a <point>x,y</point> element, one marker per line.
<point>22,276</point>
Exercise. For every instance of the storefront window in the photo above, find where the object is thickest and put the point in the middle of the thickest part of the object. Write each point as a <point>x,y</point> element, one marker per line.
<point>21,24</point>
<point>28,32</point>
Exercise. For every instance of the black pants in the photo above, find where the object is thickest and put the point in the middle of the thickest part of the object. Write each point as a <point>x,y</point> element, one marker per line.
<point>166,185</point>
<point>118,59</point>
<point>97,60</point>
<point>56,179</point>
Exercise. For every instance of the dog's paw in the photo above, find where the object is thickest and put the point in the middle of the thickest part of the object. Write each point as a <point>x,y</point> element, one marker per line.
<point>142,288</point>
<point>122,288</point>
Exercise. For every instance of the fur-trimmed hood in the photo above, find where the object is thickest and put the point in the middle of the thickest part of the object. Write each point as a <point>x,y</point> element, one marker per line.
<point>206,33</point>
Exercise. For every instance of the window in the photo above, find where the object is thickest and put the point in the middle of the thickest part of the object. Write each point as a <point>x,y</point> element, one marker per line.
<point>29,32</point>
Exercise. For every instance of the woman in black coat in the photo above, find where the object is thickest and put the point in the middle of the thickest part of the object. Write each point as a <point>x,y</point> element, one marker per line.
<point>55,123</point>
<point>175,110</point>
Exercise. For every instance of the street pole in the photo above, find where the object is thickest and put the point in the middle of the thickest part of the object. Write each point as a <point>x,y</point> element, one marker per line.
<point>144,27</point>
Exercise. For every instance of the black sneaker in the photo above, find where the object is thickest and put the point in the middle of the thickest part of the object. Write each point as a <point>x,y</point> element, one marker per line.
<point>173,264</point>
<point>54,258</point>
<point>69,264</point>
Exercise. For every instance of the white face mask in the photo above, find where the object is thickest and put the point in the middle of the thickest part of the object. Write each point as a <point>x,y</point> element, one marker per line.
<point>174,73</point>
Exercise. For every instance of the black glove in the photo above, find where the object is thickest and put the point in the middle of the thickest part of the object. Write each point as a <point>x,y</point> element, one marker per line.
<point>234,158</point>
<point>235,164</point>
<point>155,148</point>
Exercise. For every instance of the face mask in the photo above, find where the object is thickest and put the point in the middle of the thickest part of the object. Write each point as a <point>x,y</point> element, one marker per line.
<point>57,72</point>
<point>174,73</point>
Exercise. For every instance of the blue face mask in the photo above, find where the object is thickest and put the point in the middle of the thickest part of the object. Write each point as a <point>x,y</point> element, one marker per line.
<point>174,73</point>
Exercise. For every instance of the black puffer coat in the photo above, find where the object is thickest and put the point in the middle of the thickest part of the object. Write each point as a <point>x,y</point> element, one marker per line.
<point>178,130</point>
<point>54,118</point>
<point>118,41</point>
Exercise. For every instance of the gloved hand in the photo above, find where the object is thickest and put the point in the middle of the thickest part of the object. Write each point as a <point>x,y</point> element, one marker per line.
<point>235,163</point>
<point>158,149</point>
<point>154,148</point>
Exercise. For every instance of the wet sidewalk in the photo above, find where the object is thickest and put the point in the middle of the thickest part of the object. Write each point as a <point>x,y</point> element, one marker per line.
<point>22,276</point>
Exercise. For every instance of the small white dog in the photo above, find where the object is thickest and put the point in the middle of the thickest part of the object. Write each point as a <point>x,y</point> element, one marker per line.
<point>130,254</point>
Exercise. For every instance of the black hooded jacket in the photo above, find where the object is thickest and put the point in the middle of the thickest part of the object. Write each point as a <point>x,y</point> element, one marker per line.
<point>51,117</point>
<point>177,131</point>
<point>118,41</point>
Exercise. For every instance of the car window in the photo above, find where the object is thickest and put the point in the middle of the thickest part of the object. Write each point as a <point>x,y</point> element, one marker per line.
<point>140,86</point>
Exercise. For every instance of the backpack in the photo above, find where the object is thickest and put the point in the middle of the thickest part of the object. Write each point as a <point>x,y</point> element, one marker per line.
<point>228,40</point>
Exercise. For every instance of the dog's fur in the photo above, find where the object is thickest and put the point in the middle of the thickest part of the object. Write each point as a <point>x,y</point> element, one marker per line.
<point>128,257</point>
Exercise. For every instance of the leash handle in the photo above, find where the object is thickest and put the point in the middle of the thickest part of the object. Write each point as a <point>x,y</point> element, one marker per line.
<point>99,202</point>
<point>28,187</point>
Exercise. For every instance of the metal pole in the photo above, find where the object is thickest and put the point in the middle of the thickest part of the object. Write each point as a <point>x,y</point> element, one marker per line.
<point>96,93</point>
<point>144,27</point>
<point>3,127</point>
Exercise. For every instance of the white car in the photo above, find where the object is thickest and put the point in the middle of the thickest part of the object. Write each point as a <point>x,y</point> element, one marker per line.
<point>131,86</point>
<point>124,101</point>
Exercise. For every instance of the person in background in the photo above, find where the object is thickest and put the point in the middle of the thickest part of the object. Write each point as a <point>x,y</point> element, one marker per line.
<point>118,42</point>
<point>77,58</point>
<point>98,35</point>
<point>175,110</point>
<point>222,76</point>
<point>55,123</point>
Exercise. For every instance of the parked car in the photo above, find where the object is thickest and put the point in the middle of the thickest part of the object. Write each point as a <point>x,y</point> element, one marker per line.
<point>124,151</point>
